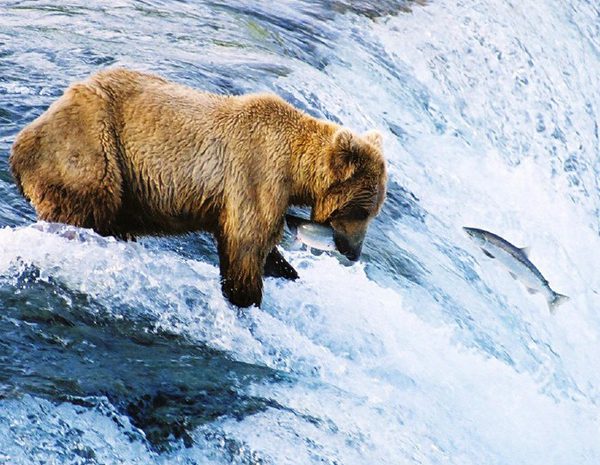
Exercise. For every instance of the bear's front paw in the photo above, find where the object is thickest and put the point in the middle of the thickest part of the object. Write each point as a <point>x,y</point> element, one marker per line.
<point>240,295</point>
<point>278,267</point>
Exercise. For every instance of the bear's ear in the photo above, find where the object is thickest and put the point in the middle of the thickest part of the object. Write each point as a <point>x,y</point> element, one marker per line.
<point>374,138</point>
<point>345,140</point>
<point>345,156</point>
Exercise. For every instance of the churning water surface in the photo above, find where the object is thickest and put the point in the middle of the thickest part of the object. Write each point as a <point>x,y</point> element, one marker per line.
<point>426,352</point>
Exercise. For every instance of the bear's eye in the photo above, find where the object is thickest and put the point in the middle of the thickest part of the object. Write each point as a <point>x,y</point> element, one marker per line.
<point>358,213</point>
<point>352,212</point>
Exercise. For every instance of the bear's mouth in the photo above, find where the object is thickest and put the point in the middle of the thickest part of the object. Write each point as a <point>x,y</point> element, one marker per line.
<point>349,246</point>
<point>325,236</point>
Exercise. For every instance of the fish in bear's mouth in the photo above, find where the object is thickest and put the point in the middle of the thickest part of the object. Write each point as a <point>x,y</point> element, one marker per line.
<point>321,236</point>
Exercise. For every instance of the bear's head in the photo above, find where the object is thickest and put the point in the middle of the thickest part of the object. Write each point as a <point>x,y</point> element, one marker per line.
<point>356,188</point>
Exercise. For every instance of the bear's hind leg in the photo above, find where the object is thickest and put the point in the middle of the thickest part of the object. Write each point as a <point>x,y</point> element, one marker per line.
<point>91,209</point>
<point>278,267</point>
<point>67,162</point>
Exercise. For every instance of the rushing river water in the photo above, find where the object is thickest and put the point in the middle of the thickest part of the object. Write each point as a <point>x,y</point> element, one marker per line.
<point>426,352</point>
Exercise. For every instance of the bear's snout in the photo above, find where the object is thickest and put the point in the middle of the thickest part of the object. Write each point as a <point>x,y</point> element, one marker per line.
<point>350,246</point>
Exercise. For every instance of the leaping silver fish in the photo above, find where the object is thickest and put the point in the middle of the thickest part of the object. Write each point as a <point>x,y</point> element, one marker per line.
<point>518,264</point>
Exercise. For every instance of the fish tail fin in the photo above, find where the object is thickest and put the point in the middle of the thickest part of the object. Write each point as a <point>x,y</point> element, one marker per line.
<point>296,243</point>
<point>293,222</point>
<point>556,300</point>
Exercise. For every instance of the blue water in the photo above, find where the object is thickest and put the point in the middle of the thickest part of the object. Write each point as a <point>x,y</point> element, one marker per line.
<point>425,352</point>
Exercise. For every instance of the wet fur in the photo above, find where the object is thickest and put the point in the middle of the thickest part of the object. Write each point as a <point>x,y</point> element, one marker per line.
<point>129,153</point>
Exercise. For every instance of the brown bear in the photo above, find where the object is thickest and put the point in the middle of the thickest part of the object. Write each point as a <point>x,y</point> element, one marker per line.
<point>128,153</point>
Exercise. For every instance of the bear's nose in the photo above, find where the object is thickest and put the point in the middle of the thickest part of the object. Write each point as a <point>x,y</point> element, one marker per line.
<point>350,247</point>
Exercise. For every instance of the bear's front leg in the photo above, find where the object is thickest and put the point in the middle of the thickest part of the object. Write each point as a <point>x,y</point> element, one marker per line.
<point>241,272</point>
<point>278,267</point>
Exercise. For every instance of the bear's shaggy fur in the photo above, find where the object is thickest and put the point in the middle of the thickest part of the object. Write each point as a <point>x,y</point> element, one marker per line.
<point>129,153</point>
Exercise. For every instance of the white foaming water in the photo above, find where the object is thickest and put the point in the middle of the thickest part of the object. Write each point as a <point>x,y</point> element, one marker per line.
<point>493,111</point>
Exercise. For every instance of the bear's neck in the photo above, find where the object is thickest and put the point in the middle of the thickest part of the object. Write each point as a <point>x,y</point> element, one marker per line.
<point>309,170</point>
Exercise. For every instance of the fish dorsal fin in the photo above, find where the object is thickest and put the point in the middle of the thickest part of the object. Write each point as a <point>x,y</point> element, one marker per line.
<point>514,276</point>
<point>525,251</point>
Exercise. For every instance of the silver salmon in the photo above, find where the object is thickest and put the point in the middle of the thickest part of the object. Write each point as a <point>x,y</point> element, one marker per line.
<point>315,235</point>
<point>518,264</point>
